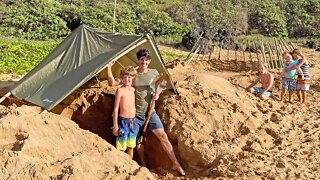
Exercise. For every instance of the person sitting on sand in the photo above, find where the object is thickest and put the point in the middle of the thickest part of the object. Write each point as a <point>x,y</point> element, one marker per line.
<point>266,79</point>
<point>143,96</point>
<point>125,126</point>
<point>288,78</point>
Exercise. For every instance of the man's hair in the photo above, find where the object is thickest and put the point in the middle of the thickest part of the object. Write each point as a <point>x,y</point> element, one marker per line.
<point>143,53</point>
<point>129,70</point>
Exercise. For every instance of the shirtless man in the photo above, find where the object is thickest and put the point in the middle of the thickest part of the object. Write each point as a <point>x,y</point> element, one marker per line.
<point>125,126</point>
<point>266,79</point>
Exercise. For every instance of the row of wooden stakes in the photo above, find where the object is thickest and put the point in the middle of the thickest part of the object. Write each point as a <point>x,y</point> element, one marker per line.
<point>268,52</point>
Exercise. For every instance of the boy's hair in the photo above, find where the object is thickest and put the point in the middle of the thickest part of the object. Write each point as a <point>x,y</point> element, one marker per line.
<point>264,64</point>
<point>129,70</point>
<point>143,53</point>
<point>287,53</point>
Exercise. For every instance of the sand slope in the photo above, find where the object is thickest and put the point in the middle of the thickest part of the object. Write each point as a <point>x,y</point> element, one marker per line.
<point>49,146</point>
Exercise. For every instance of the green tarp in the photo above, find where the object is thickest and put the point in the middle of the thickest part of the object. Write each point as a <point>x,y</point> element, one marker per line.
<point>82,55</point>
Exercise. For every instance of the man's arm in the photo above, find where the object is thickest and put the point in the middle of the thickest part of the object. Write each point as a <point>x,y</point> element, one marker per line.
<point>111,80</point>
<point>115,112</point>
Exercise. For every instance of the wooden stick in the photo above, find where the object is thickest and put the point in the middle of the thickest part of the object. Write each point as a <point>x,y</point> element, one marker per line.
<point>220,50</point>
<point>270,56</point>
<point>5,96</point>
<point>284,44</point>
<point>244,55</point>
<point>264,55</point>
<point>235,55</point>
<point>292,45</point>
<point>228,47</point>
<point>207,45</point>
<point>212,49</point>
<point>281,50</point>
<point>248,47</point>
<point>255,45</point>
<point>194,46</point>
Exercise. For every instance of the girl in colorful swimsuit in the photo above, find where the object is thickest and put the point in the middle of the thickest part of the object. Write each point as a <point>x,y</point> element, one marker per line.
<point>303,84</point>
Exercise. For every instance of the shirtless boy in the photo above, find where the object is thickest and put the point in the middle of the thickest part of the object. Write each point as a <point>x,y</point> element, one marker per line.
<point>266,80</point>
<point>124,125</point>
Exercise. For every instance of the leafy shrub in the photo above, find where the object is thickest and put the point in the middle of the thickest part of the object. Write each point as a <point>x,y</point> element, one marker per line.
<point>20,57</point>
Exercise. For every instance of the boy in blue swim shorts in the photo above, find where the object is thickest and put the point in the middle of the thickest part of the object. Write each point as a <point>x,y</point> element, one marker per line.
<point>124,125</point>
<point>288,78</point>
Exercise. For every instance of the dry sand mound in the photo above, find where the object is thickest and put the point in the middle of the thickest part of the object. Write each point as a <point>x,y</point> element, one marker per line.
<point>49,146</point>
<point>217,130</point>
<point>221,131</point>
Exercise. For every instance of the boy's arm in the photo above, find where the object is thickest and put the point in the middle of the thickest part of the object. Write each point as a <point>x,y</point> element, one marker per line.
<point>115,112</point>
<point>253,83</point>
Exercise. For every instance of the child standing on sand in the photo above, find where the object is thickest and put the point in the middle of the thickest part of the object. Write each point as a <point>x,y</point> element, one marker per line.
<point>288,81</point>
<point>125,126</point>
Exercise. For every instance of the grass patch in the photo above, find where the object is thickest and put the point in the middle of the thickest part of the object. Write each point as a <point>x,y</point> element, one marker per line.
<point>168,56</point>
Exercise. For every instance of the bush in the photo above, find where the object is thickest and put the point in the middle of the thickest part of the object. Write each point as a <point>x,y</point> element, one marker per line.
<point>268,19</point>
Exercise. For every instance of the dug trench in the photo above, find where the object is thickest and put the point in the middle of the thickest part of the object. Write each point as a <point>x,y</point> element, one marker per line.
<point>91,107</point>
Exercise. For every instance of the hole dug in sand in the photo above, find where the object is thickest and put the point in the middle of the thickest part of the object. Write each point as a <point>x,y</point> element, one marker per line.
<point>91,107</point>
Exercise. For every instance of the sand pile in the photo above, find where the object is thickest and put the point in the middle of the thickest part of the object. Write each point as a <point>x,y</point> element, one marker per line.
<point>49,146</point>
<point>217,130</point>
<point>221,131</point>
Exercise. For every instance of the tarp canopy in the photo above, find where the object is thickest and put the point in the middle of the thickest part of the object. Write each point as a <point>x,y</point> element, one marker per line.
<point>80,57</point>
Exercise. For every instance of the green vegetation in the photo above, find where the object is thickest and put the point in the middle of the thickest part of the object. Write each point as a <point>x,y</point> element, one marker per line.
<point>20,56</point>
<point>40,25</point>
<point>54,19</point>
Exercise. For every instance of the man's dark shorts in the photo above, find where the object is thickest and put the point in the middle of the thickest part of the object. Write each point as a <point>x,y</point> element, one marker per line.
<point>154,123</point>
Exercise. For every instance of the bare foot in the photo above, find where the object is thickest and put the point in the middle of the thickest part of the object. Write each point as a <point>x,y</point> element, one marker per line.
<point>179,169</point>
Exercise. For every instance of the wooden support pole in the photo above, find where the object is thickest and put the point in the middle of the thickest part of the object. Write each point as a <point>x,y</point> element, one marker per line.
<point>5,97</point>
